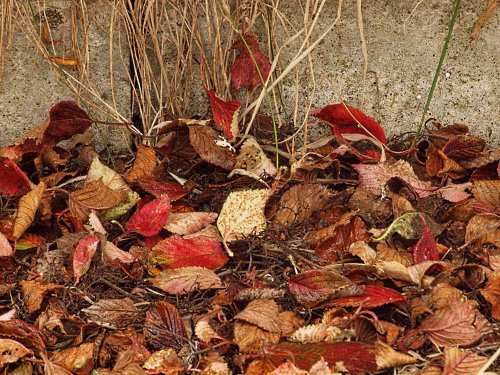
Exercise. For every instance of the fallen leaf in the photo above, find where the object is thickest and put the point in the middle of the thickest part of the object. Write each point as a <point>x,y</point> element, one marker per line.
<point>83,254</point>
<point>263,313</point>
<point>28,205</point>
<point>178,252</point>
<point>321,333</point>
<point>110,178</point>
<point>186,280</point>
<point>79,359</point>
<point>116,312</point>
<point>461,362</point>
<point>464,147</point>
<point>144,164</point>
<point>13,181</point>
<point>66,119</point>
<point>373,296</point>
<point>300,202</point>
<point>313,287</point>
<point>204,141</point>
<point>24,333</point>
<point>150,218</point>
<point>164,361</point>
<point>5,246</point>
<point>487,192</point>
<point>480,225</point>
<point>252,339</point>
<point>164,328</point>
<point>242,214</point>
<point>158,187</point>
<point>253,159</point>
<point>225,114</point>
<point>112,253</point>
<point>34,293</point>
<point>425,248</point>
<point>387,357</point>
<point>206,333</point>
<point>189,222</point>
<point>491,293</point>
<point>411,226</point>
<point>11,351</point>
<point>344,119</point>
<point>244,72</point>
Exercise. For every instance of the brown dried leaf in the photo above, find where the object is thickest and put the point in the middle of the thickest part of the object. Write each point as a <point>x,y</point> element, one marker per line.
<point>203,139</point>
<point>164,327</point>
<point>253,159</point>
<point>252,339</point>
<point>442,295</point>
<point>189,222</point>
<point>94,196</point>
<point>464,147</point>
<point>387,357</point>
<point>116,312</point>
<point>186,280</point>
<point>481,225</point>
<point>34,292</point>
<point>164,361</point>
<point>300,202</point>
<point>321,333</point>
<point>491,293</point>
<point>485,158</point>
<point>11,351</point>
<point>289,323</point>
<point>370,207</point>
<point>461,362</point>
<point>144,164</point>
<point>439,164</point>
<point>488,11</point>
<point>28,205</point>
<point>79,359</point>
<point>487,192</point>
<point>385,253</point>
<point>264,313</point>
<point>205,332</point>
<point>251,294</point>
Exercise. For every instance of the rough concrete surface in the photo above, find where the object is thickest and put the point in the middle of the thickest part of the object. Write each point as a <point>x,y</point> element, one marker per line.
<point>404,42</point>
<point>30,85</point>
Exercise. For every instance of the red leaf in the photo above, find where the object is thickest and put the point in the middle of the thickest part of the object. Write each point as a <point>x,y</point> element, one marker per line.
<point>358,358</point>
<point>315,286</point>
<point>83,254</point>
<point>225,114</point>
<point>200,251</point>
<point>373,296</point>
<point>341,121</point>
<point>151,218</point>
<point>66,120</point>
<point>425,248</point>
<point>164,327</point>
<point>243,71</point>
<point>159,187</point>
<point>13,181</point>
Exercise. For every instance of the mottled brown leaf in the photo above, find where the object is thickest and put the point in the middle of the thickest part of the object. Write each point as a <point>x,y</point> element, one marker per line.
<point>34,292</point>
<point>203,139</point>
<point>164,327</point>
<point>186,280</point>
<point>116,312</point>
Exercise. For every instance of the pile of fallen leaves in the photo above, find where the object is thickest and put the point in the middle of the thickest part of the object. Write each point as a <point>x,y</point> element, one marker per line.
<point>194,256</point>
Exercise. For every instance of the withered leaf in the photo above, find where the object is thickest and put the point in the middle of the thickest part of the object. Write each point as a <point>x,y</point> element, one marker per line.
<point>116,312</point>
<point>164,327</point>
<point>144,164</point>
<point>186,280</point>
<point>251,338</point>
<point>34,292</point>
<point>203,139</point>
<point>28,205</point>
<point>264,313</point>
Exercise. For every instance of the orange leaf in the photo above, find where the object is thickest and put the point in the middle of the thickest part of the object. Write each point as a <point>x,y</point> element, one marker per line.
<point>28,205</point>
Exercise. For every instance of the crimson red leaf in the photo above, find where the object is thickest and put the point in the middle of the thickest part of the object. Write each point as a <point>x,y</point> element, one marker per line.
<point>344,119</point>
<point>243,71</point>
<point>200,251</point>
<point>225,114</point>
<point>66,119</point>
<point>13,181</point>
<point>164,327</point>
<point>150,218</point>
<point>373,296</point>
<point>83,254</point>
<point>425,248</point>
<point>358,358</point>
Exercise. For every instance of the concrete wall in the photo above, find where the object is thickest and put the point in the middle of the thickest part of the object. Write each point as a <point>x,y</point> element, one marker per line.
<point>403,49</point>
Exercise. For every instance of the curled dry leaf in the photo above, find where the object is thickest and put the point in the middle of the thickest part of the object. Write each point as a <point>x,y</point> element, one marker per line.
<point>164,361</point>
<point>34,292</point>
<point>289,323</point>
<point>164,328</point>
<point>189,222</point>
<point>243,214</point>
<point>253,159</point>
<point>321,333</point>
<point>79,359</point>
<point>115,312</point>
<point>24,333</point>
<point>186,280</point>
<point>28,205</point>
<point>387,357</point>
<point>144,164</point>
<point>263,313</point>
<point>205,332</point>
<point>110,178</point>
<point>300,202</point>
<point>112,253</point>
<point>411,226</point>
<point>491,293</point>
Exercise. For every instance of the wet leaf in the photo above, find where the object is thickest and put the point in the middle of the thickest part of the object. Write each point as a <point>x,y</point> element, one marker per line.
<point>164,328</point>
<point>151,218</point>
<point>186,280</point>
